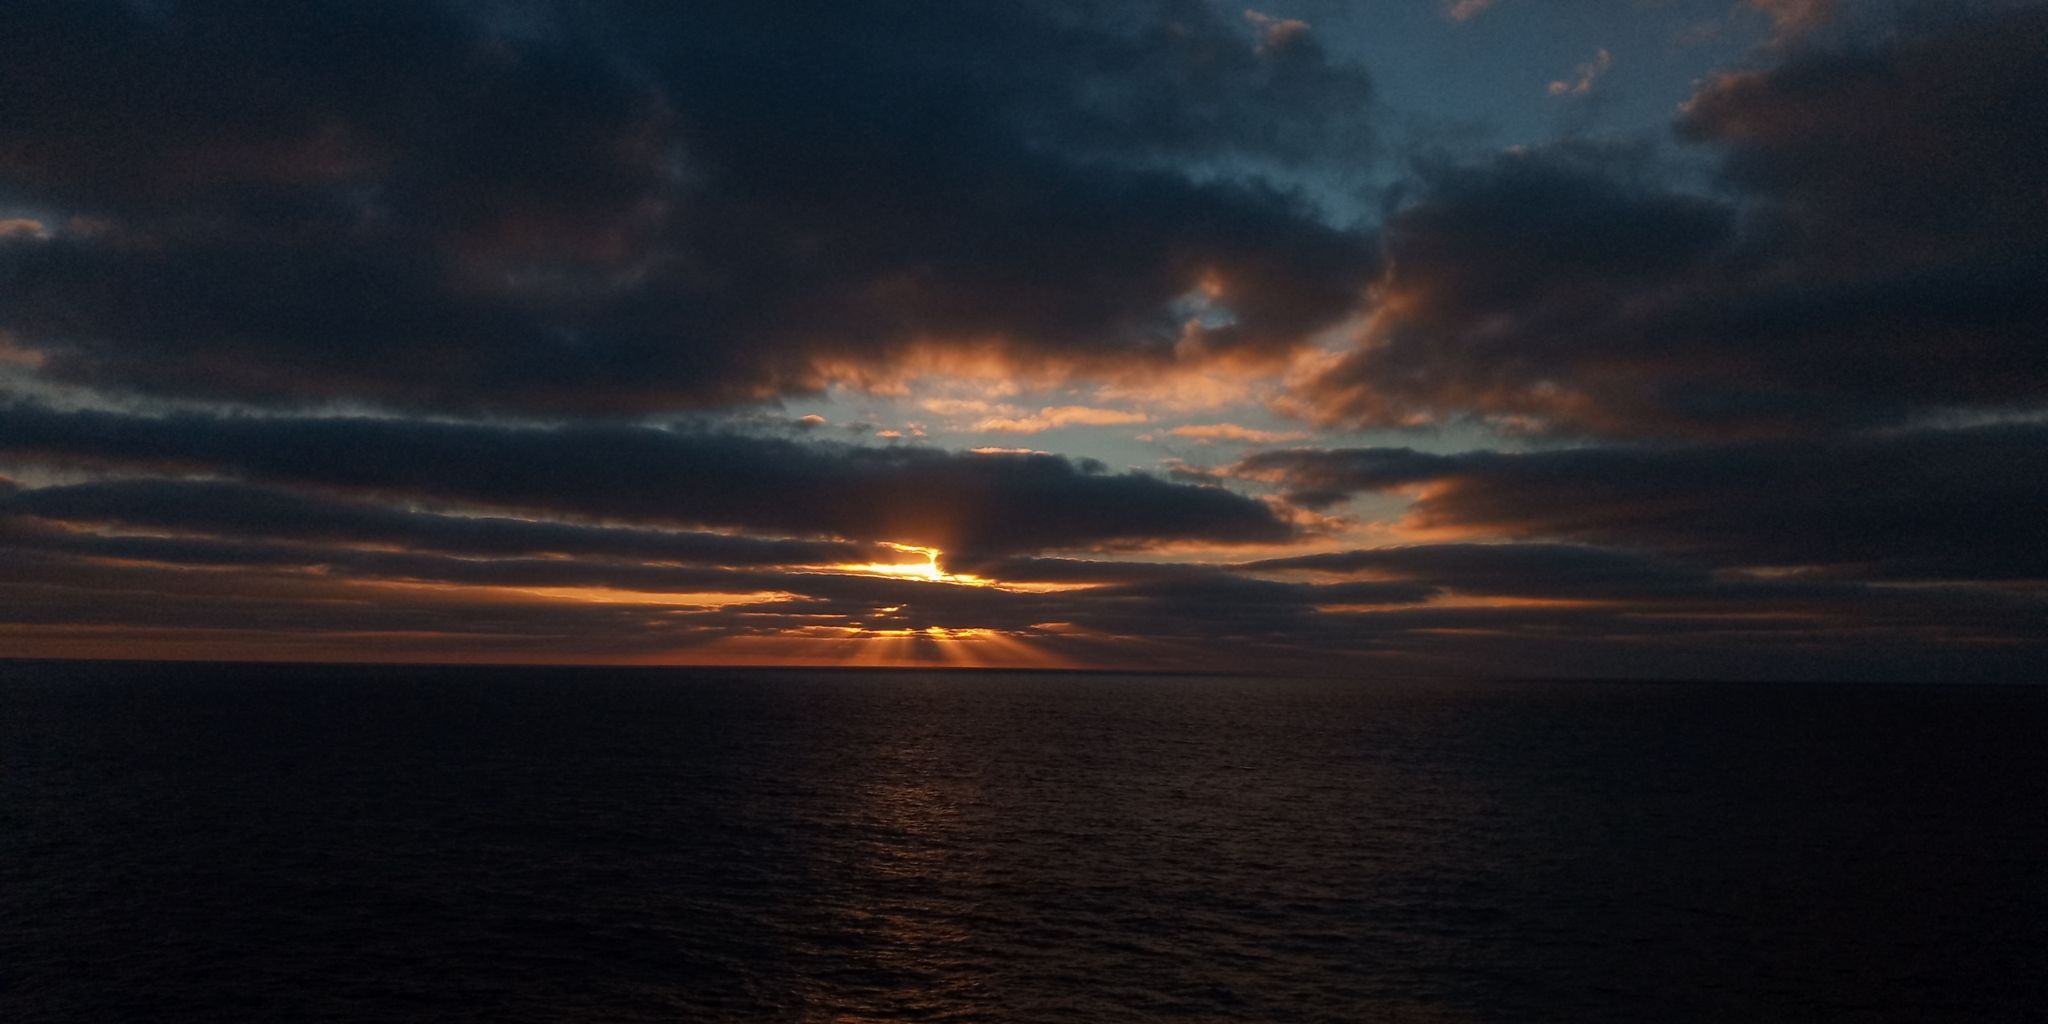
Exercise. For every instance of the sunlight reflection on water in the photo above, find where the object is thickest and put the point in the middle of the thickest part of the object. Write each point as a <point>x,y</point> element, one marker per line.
<point>507,845</point>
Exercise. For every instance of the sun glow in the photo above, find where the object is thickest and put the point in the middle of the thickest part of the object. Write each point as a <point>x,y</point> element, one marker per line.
<point>927,570</point>
<point>856,646</point>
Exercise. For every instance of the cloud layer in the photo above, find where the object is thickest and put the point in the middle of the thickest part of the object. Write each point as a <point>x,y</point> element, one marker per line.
<point>614,206</point>
<point>1870,257</point>
<point>620,472</point>
<point>624,331</point>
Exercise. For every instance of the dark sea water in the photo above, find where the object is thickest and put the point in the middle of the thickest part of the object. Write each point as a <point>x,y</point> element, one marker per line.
<point>191,843</point>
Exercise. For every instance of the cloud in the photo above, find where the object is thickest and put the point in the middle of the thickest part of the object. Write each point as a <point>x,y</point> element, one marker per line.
<point>1903,153</point>
<point>1205,433</point>
<point>1056,417</point>
<point>1588,73</point>
<point>392,295</point>
<point>1541,571</point>
<point>1465,10</point>
<point>1514,291</point>
<point>1934,504</point>
<point>964,407</point>
<point>1793,19</point>
<point>648,475</point>
<point>1277,34</point>
<point>232,509</point>
<point>1027,569</point>
<point>445,207</point>
<point>164,564</point>
<point>255,112</point>
<point>1865,261</point>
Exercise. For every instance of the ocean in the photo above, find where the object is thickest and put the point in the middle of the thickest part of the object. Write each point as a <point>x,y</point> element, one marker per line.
<point>300,843</point>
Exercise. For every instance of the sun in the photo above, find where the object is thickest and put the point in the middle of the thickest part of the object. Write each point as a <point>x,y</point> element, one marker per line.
<point>927,570</point>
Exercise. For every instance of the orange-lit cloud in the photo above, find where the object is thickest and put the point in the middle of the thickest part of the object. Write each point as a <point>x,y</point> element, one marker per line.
<point>13,354</point>
<point>1276,34</point>
<point>1795,18</point>
<point>1465,10</point>
<point>1207,432</point>
<point>609,595</point>
<point>1588,73</point>
<point>1056,417</point>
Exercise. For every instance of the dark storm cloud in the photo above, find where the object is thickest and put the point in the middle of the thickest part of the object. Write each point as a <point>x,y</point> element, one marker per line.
<point>602,471</point>
<point>1960,504</point>
<point>233,115</point>
<point>71,578</point>
<point>1925,144</point>
<point>340,601</point>
<point>352,563</point>
<point>222,611</point>
<point>65,576</point>
<point>221,507</point>
<point>1511,570</point>
<point>1875,255</point>
<point>1535,570</point>
<point>1025,569</point>
<point>1219,610</point>
<point>619,206</point>
<point>289,546</point>
<point>160,568</point>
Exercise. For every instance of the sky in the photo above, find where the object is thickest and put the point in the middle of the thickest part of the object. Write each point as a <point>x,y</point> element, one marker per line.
<point>1665,338</point>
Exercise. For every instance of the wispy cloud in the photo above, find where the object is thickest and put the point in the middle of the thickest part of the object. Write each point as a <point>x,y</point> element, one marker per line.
<point>1465,10</point>
<point>1054,417</point>
<point>1209,432</point>
<point>1276,34</point>
<point>1588,73</point>
<point>1795,18</point>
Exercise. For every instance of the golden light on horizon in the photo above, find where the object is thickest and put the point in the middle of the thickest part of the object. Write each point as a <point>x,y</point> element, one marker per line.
<point>610,595</point>
<point>927,570</point>
<point>862,647</point>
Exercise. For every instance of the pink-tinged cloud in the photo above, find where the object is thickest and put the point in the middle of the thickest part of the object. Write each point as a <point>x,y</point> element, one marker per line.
<point>1588,73</point>
<point>1795,18</point>
<point>1209,432</point>
<point>1056,417</point>
<point>1465,10</point>
<point>1276,34</point>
